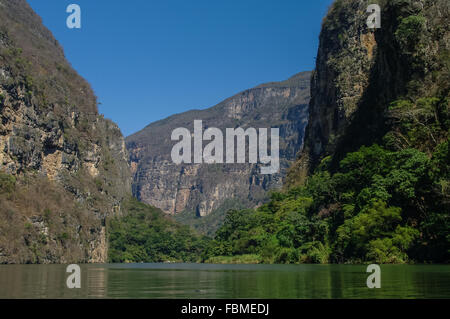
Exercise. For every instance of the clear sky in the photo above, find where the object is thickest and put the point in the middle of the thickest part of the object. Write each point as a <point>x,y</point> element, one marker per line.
<point>148,59</point>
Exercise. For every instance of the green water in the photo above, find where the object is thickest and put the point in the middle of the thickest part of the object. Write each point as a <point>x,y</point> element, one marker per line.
<point>224,281</point>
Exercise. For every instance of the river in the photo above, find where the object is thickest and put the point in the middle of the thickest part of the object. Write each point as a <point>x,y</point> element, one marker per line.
<point>224,281</point>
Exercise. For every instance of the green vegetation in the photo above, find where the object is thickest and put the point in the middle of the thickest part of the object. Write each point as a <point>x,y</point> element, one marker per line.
<point>7,183</point>
<point>381,205</point>
<point>146,234</point>
<point>409,31</point>
<point>387,203</point>
<point>421,124</point>
<point>209,224</point>
<point>241,259</point>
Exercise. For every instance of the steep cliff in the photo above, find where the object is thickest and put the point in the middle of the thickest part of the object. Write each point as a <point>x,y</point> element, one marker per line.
<point>204,188</point>
<point>360,72</point>
<point>63,166</point>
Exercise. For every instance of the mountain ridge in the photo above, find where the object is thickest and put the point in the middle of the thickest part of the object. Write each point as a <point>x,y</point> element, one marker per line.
<point>276,104</point>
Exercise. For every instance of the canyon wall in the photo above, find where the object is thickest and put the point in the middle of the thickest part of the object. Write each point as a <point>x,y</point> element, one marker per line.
<point>203,188</point>
<point>63,167</point>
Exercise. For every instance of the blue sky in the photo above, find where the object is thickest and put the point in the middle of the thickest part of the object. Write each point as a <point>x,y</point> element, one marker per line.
<point>147,59</point>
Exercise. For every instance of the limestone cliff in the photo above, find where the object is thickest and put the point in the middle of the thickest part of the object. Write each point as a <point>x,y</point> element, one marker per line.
<point>359,72</point>
<point>63,166</point>
<point>203,188</point>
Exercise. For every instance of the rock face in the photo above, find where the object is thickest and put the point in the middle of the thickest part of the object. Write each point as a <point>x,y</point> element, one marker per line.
<point>359,72</point>
<point>203,188</point>
<point>52,138</point>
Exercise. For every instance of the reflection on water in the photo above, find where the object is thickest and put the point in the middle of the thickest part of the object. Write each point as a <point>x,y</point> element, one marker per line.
<point>224,281</point>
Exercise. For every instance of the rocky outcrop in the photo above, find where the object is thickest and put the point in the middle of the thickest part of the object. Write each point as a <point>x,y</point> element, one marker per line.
<point>359,72</point>
<point>52,136</point>
<point>203,188</point>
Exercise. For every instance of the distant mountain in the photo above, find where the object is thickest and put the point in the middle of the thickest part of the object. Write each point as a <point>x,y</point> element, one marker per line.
<point>201,189</point>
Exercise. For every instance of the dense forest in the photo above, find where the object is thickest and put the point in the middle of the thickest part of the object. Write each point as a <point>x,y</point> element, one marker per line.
<point>380,206</point>
<point>146,234</point>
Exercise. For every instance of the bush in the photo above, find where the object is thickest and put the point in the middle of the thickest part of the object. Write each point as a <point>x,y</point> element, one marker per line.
<point>409,31</point>
<point>7,183</point>
<point>315,253</point>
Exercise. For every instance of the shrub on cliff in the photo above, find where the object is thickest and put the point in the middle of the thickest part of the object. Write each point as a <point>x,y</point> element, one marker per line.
<point>7,183</point>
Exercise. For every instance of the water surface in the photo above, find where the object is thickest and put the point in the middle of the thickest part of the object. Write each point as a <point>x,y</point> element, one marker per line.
<point>224,281</point>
